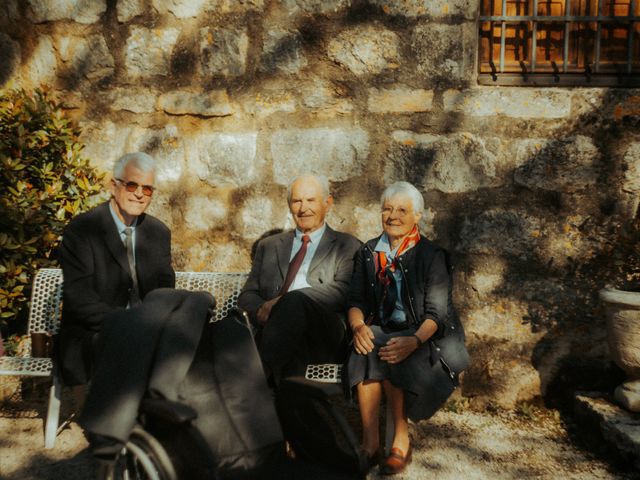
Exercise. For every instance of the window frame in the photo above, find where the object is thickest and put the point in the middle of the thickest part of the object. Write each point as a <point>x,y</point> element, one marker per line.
<point>624,77</point>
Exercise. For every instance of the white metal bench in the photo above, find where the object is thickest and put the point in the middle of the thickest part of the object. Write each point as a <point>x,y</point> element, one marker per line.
<point>44,318</point>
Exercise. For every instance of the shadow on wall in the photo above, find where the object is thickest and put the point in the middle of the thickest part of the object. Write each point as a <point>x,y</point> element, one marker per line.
<point>552,231</point>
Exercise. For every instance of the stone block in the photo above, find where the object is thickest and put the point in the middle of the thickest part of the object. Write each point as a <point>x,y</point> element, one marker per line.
<point>133,99</point>
<point>86,57</point>
<point>445,53</point>
<point>500,370</point>
<point>166,145</point>
<point>210,104</point>
<point>128,9</point>
<point>234,6</point>
<point>631,163</point>
<point>104,142</point>
<point>202,213</point>
<point>10,54</point>
<point>181,8</point>
<point>315,6</point>
<point>627,395</point>
<point>510,233</point>
<point>400,100</point>
<point>435,9</point>
<point>282,52</point>
<point>227,159</point>
<point>339,153</point>
<point>566,165</point>
<point>549,103</point>
<point>223,51</point>
<point>9,11</point>
<point>619,429</point>
<point>324,96</point>
<point>267,102</point>
<point>214,257</point>
<point>257,216</point>
<point>41,68</point>
<point>148,51</point>
<point>629,106</point>
<point>366,50</point>
<point>460,162</point>
<point>81,11</point>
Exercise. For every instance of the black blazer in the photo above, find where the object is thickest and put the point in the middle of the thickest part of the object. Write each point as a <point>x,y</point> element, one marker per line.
<point>97,279</point>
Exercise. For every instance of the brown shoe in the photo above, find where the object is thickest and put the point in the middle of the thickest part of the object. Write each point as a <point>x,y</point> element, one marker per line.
<point>396,462</point>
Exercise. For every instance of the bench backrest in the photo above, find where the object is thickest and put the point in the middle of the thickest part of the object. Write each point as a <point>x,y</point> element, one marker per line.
<point>46,295</point>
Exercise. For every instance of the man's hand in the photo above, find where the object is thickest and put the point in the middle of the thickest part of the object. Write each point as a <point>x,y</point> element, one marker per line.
<point>398,348</point>
<point>363,339</point>
<point>262,315</point>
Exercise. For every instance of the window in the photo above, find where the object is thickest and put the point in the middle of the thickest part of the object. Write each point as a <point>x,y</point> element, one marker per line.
<point>559,42</point>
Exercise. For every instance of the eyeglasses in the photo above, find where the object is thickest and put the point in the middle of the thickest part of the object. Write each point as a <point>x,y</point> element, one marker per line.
<point>401,212</point>
<point>133,187</point>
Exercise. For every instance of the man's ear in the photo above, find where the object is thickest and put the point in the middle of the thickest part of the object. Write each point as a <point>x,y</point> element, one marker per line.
<point>112,186</point>
<point>329,201</point>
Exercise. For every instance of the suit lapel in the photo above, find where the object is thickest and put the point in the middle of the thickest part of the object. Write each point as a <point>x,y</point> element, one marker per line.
<point>324,248</point>
<point>283,251</point>
<point>113,241</point>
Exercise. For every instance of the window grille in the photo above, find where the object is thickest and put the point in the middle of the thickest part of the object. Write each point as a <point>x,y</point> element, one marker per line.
<point>559,42</point>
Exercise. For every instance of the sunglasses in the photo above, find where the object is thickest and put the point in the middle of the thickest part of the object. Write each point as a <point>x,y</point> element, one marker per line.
<point>133,187</point>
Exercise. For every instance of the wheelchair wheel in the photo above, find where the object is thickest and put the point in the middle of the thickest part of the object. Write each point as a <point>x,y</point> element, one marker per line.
<point>143,458</point>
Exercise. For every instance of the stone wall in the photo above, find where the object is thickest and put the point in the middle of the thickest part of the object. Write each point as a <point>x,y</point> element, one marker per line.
<point>234,98</point>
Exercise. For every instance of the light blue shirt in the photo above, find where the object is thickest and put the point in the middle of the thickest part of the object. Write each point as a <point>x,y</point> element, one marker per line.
<point>300,281</point>
<point>398,315</point>
<point>121,226</point>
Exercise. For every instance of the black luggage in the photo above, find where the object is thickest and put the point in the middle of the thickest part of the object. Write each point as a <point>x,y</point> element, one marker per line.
<point>313,421</point>
<point>236,433</point>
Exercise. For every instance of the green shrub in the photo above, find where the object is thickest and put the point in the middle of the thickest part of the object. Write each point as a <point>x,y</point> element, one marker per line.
<point>44,182</point>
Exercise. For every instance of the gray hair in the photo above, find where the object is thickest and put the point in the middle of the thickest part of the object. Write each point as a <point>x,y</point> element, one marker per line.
<point>140,160</point>
<point>321,179</point>
<point>405,189</point>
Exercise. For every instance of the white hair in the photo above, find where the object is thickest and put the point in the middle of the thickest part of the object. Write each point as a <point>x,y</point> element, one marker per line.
<point>405,189</point>
<point>140,160</point>
<point>321,179</point>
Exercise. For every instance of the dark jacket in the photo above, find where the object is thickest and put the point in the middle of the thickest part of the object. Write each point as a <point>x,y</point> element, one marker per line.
<point>97,279</point>
<point>426,284</point>
<point>329,271</point>
<point>429,375</point>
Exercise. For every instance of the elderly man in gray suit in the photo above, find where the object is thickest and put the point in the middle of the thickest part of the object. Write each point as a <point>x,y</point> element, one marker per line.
<point>296,291</point>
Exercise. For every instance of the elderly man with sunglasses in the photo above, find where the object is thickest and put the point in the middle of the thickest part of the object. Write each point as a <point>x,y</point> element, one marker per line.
<point>124,325</point>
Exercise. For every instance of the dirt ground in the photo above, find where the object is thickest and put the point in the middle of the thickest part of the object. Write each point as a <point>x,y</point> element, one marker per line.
<point>457,443</point>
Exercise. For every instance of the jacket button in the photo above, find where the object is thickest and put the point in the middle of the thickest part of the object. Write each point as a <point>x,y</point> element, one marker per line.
<point>437,349</point>
<point>453,327</point>
<point>372,284</point>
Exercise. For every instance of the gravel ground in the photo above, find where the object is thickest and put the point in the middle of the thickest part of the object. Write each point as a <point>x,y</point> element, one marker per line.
<point>460,444</point>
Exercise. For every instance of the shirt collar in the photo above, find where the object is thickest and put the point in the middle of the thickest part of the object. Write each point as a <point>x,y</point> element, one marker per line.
<point>384,245</point>
<point>119,223</point>
<point>315,236</point>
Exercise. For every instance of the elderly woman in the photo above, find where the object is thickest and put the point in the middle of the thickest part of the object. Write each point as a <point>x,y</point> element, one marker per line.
<point>407,340</point>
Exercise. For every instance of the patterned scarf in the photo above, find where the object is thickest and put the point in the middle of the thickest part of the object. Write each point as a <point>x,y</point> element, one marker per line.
<point>408,243</point>
<point>384,272</point>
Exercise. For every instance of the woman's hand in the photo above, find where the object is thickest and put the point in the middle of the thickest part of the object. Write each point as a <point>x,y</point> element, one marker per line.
<point>398,348</point>
<point>363,339</point>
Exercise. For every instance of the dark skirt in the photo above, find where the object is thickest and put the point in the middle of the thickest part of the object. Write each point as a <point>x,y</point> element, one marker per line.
<point>422,377</point>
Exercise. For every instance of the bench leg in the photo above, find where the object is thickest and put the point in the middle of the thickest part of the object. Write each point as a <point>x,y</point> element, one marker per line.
<point>53,413</point>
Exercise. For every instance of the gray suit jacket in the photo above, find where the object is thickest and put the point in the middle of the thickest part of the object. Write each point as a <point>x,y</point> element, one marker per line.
<point>329,273</point>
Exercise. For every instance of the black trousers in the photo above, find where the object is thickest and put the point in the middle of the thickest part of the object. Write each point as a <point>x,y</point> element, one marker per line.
<point>300,331</point>
<point>147,348</point>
